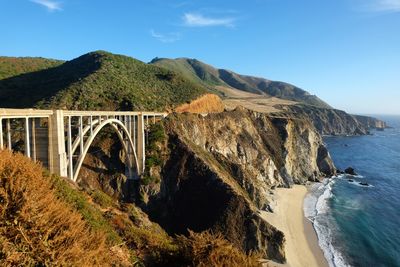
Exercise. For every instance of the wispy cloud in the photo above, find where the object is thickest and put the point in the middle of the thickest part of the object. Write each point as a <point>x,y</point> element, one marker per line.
<point>384,6</point>
<point>49,4</point>
<point>167,37</point>
<point>199,20</point>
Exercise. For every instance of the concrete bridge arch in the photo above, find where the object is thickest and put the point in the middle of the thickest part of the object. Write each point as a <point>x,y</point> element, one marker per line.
<point>127,145</point>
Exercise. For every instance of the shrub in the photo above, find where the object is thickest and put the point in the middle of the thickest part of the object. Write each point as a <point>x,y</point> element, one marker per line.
<point>102,199</point>
<point>207,249</point>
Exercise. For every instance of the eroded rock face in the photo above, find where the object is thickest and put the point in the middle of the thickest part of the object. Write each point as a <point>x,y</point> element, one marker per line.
<point>199,194</point>
<point>221,168</point>
<point>259,152</point>
<point>329,121</point>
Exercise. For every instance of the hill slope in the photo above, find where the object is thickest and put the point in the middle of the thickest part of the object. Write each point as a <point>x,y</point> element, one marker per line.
<point>198,71</point>
<point>47,221</point>
<point>13,66</point>
<point>99,80</point>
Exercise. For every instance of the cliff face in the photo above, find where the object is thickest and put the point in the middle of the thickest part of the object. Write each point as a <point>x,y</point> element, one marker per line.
<point>218,171</point>
<point>370,122</point>
<point>330,121</point>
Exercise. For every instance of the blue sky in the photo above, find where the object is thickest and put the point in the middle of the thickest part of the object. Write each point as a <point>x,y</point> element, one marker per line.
<point>345,51</point>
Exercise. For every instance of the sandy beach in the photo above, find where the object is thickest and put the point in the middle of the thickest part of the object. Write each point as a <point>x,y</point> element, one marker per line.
<point>301,248</point>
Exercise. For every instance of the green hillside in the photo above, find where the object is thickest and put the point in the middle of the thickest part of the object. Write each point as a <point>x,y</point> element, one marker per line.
<point>99,80</point>
<point>196,70</point>
<point>13,66</point>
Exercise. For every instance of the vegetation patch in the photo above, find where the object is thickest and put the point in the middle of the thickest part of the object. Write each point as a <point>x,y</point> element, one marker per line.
<point>154,153</point>
<point>102,199</point>
<point>37,227</point>
<point>208,249</point>
<point>13,66</point>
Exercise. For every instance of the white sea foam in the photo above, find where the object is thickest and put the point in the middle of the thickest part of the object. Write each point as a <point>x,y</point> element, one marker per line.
<point>316,207</point>
<point>360,185</point>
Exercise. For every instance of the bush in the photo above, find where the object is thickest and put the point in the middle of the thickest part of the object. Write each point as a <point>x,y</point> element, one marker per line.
<point>207,249</point>
<point>102,199</point>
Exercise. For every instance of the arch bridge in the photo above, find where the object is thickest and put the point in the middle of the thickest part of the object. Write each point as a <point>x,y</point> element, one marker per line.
<point>60,139</point>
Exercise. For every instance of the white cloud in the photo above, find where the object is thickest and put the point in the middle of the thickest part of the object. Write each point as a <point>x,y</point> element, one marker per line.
<point>49,4</point>
<point>166,38</point>
<point>384,6</point>
<point>198,20</point>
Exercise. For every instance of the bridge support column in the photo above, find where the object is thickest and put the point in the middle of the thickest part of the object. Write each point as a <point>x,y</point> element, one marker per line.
<point>140,148</point>
<point>57,154</point>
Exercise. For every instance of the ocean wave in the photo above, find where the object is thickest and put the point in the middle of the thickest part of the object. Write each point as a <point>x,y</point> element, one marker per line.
<point>316,207</point>
<point>360,185</point>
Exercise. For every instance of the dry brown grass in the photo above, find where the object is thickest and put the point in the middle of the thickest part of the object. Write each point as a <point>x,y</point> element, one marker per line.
<point>37,228</point>
<point>206,249</point>
<point>208,103</point>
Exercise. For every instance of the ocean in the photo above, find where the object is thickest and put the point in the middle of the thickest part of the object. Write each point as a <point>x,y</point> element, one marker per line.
<point>360,225</point>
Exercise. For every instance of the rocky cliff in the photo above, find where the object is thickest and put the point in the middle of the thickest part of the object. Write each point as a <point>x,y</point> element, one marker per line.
<point>332,121</point>
<point>371,123</point>
<point>217,171</point>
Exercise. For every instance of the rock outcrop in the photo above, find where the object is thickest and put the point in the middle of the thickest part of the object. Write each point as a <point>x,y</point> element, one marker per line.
<point>219,169</point>
<point>331,121</point>
<point>371,123</point>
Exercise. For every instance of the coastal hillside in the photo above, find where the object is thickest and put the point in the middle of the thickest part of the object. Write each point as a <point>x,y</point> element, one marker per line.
<point>198,71</point>
<point>99,80</point>
<point>13,66</point>
<point>215,173</point>
<point>332,121</point>
<point>48,221</point>
<point>278,98</point>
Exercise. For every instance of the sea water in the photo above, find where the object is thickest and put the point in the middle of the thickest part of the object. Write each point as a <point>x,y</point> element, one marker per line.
<point>360,225</point>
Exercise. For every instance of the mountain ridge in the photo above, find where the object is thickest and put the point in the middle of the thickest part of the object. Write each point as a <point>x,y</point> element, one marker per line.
<point>13,66</point>
<point>211,76</point>
<point>99,80</point>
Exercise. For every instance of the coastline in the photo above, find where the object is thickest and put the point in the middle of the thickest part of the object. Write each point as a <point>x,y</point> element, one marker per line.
<point>301,246</point>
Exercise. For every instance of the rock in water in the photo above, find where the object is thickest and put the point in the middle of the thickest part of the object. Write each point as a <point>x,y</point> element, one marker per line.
<point>350,171</point>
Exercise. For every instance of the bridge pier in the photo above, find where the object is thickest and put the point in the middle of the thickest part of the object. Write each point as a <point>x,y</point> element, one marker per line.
<point>57,155</point>
<point>141,143</point>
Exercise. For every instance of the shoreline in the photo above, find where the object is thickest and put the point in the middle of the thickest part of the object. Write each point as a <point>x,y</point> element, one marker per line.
<point>301,246</point>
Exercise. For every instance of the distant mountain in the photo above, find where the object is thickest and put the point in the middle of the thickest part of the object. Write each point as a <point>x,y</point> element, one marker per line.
<point>211,77</point>
<point>99,80</point>
<point>13,66</point>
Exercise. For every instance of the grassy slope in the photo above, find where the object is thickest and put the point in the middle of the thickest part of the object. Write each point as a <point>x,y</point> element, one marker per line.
<point>38,228</point>
<point>46,221</point>
<point>196,70</point>
<point>13,66</point>
<point>100,80</point>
